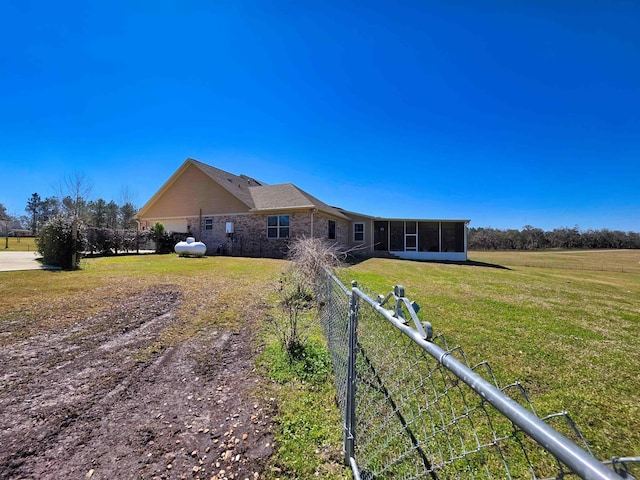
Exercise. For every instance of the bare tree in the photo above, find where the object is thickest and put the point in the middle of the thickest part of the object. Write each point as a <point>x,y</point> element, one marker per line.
<point>75,190</point>
<point>126,195</point>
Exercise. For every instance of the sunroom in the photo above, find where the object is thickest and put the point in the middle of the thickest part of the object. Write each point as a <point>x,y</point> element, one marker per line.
<point>422,239</point>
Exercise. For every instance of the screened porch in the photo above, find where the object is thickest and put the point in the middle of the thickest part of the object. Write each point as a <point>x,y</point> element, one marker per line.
<point>422,239</point>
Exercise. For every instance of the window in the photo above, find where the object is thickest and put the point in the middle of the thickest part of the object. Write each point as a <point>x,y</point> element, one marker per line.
<point>278,226</point>
<point>358,232</point>
<point>332,230</point>
<point>452,236</point>
<point>208,223</point>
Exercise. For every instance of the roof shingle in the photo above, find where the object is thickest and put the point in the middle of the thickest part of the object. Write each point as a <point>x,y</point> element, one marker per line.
<point>288,196</point>
<point>261,197</point>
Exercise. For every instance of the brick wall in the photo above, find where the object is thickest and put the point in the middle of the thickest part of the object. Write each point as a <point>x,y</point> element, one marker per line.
<point>250,233</point>
<point>249,238</point>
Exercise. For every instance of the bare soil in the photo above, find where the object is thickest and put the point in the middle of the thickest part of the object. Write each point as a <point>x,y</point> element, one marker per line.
<point>100,397</point>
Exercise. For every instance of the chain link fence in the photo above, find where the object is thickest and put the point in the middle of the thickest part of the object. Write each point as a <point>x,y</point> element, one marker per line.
<point>413,407</point>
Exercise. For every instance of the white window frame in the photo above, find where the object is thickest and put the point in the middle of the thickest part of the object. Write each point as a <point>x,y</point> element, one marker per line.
<point>208,223</point>
<point>356,232</point>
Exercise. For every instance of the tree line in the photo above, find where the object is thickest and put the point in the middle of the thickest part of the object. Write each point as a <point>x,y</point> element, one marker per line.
<point>532,238</point>
<point>92,213</point>
<point>71,224</point>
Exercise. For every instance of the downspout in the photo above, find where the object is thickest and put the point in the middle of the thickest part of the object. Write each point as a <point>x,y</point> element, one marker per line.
<point>313,210</point>
<point>200,226</point>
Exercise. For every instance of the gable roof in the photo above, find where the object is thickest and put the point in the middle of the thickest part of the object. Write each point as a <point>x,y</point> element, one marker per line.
<point>256,195</point>
<point>237,185</point>
<point>288,196</point>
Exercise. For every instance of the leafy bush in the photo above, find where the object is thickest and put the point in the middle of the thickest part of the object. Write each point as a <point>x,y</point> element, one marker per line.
<point>165,241</point>
<point>107,241</point>
<point>56,243</point>
<point>159,236</point>
<point>310,363</point>
<point>100,240</point>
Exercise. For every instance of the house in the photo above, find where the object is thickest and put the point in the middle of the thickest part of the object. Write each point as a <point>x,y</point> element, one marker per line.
<point>239,215</point>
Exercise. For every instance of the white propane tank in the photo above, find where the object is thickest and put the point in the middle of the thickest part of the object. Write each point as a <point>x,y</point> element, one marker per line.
<point>190,248</point>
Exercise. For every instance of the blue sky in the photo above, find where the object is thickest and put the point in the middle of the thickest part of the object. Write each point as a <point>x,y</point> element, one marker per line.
<point>507,113</point>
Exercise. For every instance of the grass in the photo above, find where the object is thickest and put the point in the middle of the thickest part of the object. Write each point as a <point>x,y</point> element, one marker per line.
<point>217,292</point>
<point>624,261</point>
<point>18,244</point>
<point>309,433</point>
<point>569,335</point>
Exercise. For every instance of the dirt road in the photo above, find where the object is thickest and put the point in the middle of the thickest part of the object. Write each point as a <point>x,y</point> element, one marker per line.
<point>102,399</point>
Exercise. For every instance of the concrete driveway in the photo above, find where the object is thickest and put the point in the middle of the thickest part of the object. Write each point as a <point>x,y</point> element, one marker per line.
<point>13,261</point>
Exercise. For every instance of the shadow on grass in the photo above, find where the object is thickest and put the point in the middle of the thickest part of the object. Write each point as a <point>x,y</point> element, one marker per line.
<point>46,267</point>
<point>120,254</point>
<point>351,260</point>
<point>471,263</point>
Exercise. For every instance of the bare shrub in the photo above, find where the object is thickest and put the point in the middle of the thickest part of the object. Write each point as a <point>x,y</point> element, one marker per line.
<point>296,303</point>
<point>308,253</point>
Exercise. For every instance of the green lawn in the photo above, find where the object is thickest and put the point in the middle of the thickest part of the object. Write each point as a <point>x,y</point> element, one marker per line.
<point>569,334</point>
<point>18,244</point>
<point>624,261</point>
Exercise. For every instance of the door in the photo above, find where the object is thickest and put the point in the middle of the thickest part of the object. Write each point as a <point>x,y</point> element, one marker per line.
<point>381,236</point>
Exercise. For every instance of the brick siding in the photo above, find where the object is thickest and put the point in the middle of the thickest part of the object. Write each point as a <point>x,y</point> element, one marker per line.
<point>250,233</point>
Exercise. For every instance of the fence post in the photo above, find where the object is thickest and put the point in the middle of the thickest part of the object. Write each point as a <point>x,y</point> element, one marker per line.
<point>350,413</point>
